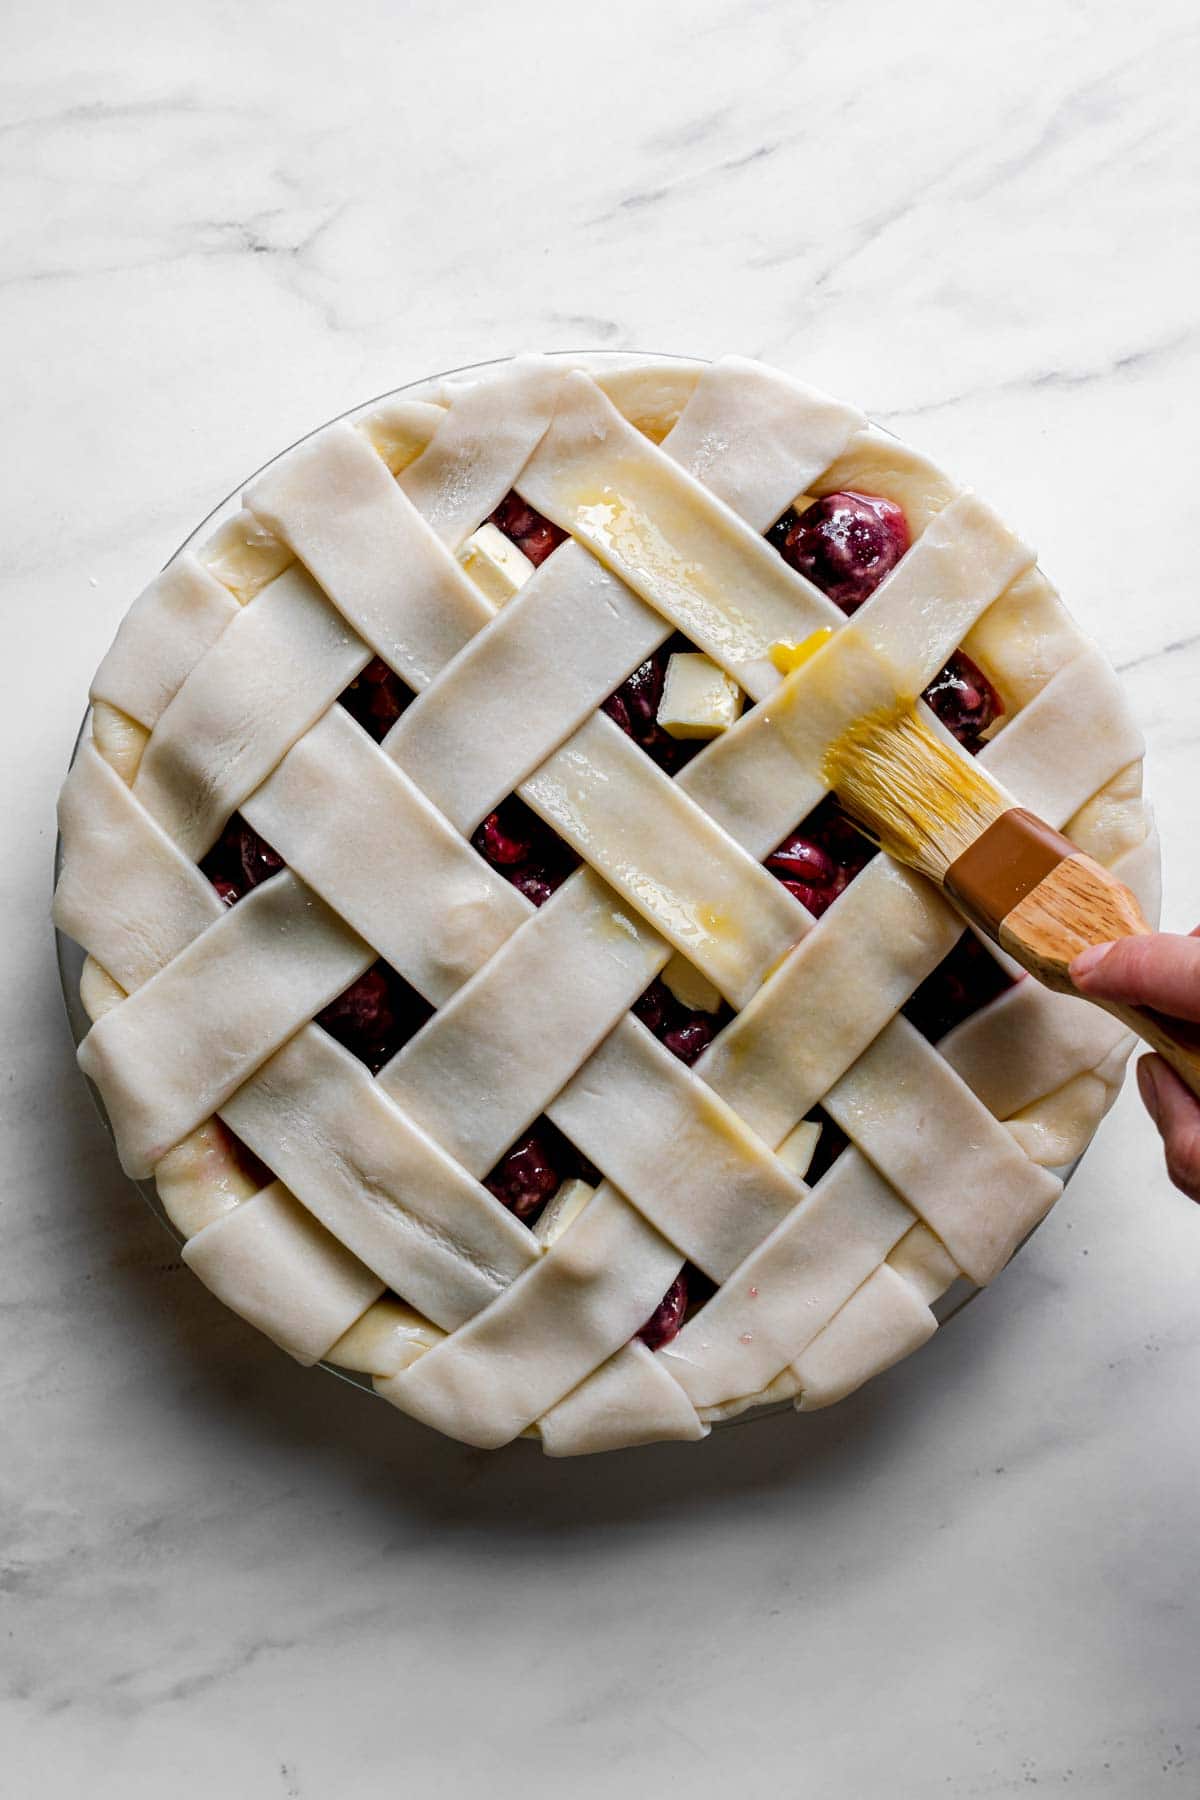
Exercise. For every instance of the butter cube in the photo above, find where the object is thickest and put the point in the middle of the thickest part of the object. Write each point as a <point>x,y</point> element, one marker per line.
<point>561,1211</point>
<point>692,989</point>
<point>799,1146</point>
<point>699,699</point>
<point>494,563</point>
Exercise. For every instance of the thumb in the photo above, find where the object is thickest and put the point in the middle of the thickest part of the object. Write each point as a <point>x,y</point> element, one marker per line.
<point>1176,1113</point>
<point>1162,971</point>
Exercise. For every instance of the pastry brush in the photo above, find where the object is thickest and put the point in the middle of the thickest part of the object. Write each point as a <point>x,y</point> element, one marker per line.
<point>1021,883</point>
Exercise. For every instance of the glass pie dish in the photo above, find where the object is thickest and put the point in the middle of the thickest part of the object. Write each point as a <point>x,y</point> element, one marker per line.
<point>640,369</point>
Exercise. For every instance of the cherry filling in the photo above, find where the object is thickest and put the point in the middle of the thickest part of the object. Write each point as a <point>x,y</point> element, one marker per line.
<point>684,1031</point>
<point>239,861</point>
<point>376,698</point>
<point>524,850</point>
<point>664,1322</point>
<point>844,543</point>
<point>965,701</point>
<point>962,983</point>
<point>821,857</point>
<point>375,1015</point>
<point>685,1296</point>
<point>535,1168</point>
<point>527,529</point>
<point>634,707</point>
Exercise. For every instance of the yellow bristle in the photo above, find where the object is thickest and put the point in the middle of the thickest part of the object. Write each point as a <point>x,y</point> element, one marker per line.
<point>924,801</point>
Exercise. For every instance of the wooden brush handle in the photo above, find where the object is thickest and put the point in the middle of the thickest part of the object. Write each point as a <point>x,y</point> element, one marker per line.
<point>1077,904</point>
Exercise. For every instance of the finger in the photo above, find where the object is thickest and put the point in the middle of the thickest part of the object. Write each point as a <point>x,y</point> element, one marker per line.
<point>1176,1113</point>
<point>1162,971</point>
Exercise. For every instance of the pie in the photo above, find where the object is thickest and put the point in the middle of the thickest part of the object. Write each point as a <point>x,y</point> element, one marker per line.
<point>476,961</point>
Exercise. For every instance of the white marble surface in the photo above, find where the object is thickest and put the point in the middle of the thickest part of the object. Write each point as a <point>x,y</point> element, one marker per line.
<point>224,223</point>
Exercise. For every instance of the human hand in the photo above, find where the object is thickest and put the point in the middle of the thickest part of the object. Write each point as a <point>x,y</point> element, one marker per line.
<point>1162,971</point>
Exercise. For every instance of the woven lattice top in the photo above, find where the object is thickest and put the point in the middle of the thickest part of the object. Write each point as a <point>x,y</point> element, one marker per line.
<point>584,583</point>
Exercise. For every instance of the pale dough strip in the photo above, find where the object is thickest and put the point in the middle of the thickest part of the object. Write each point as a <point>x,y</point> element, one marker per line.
<point>243,986</point>
<point>669,539</point>
<point>940,1147</point>
<point>494,1056</point>
<point>272,1263</point>
<point>163,635</point>
<point>523,685</point>
<point>481,444</point>
<point>334,502</point>
<point>589,1294</point>
<point>270,675</point>
<point>757,439</point>
<point>652,844</point>
<point>126,892</point>
<point>359,832</point>
<point>386,1191</point>
<point>790,1287</point>
<point>765,774</point>
<point>683,1157</point>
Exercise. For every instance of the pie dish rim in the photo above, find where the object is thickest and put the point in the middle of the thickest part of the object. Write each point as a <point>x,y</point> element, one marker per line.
<point>70,957</point>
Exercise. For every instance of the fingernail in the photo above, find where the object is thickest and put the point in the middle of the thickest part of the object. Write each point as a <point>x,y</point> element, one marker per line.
<point>1089,959</point>
<point>1148,1087</point>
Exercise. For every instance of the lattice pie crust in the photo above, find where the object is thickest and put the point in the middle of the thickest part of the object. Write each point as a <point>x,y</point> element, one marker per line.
<point>371,1240</point>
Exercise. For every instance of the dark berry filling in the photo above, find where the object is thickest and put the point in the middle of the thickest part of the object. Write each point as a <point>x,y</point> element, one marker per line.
<point>376,698</point>
<point>525,850</point>
<point>845,544</point>
<point>665,1321</point>
<point>375,1015</point>
<point>829,1146</point>
<point>682,1301</point>
<point>532,1172</point>
<point>634,707</point>
<point>821,857</point>
<point>685,1031</point>
<point>239,860</point>
<point>962,983</point>
<point>965,701</point>
<point>527,529</point>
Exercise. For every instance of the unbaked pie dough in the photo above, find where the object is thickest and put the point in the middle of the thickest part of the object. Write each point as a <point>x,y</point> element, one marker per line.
<point>477,963</point>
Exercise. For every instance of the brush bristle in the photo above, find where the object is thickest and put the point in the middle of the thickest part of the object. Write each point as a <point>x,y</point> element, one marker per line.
<point>923,801</point>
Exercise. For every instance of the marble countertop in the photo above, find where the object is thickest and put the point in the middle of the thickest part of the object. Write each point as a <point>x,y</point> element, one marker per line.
<point>223,1575</point>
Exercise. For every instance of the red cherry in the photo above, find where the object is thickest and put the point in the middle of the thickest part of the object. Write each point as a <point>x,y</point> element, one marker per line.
<point>634,707</point>
<point>844,543</point>
<point>798,859</point>
<point>526,1178</point>
<point>965,701</point>
<point>664,1322</point>
<point>537,884</point>
<point>535,536</point>
<point>688,1040</point>
<point>654,1007</point>
<point>817,900</point>
<point>239,861</point>
<point>524,849</point>
<point>259,862</point>
<point>500,845</point>
<point>963,982</point>
<point>376,698</point>
<point>375,1015</point>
